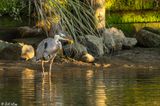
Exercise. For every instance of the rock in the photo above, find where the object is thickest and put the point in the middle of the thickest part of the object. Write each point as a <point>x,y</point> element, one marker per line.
<point>97,65</point>
<point>27,52</point>
<point>86,57</point>
<point>4,44</point>
<point>94,45</point>
<point>109,43</point>
<point>156,31</point>
<point>106,65</point>
<point>26,31</point>
<point>128,43</point>
<point>118,37</point>
<point>113,39</point>
<point>17,51</point>
<point>117,34</point>
<point>75,50</point>
<point>146,38</point>
<point>78,52</point>
<point>8,34</point>
<point>12,52</point>
<point>30,41</point>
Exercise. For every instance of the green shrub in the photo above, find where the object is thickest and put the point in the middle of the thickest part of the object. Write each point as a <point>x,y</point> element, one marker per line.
<point>12,8</point>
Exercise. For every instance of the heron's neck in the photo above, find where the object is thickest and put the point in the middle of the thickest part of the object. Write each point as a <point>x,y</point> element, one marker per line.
<point>56,39</point>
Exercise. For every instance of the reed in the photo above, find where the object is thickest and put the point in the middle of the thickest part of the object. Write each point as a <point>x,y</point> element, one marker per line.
<point>74,16</point>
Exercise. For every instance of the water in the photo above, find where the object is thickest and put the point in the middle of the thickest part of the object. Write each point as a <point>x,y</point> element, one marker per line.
<point>7,22</point>
<point>78,86</point>
<point>23,85</point>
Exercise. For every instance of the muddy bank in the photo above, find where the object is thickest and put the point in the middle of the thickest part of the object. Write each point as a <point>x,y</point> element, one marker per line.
<point>134,58</point>
<point>148,58</point>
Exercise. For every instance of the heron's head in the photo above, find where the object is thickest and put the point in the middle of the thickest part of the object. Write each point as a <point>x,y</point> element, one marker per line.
<point>64,38</point>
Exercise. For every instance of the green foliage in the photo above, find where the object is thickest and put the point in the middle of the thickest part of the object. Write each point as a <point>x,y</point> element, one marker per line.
<point>78,18</point>
<point>130,29</point>
<point>75,16</point>
<point>117,5</point>
<point>133,17</point>
<point>12,8</point>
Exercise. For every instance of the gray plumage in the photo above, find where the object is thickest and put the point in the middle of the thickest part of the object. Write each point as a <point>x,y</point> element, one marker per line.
<point>47,50</point>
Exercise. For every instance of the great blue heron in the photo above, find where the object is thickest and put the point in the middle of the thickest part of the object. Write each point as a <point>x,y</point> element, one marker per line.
<point>48,48</point>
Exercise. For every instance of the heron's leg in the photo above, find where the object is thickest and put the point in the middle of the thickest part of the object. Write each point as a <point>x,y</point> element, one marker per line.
<point>42,68</point>
<point>61,53</point>
<point>50,65</point>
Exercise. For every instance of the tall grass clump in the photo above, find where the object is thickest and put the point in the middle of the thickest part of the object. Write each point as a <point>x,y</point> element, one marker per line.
<point>73,15</point>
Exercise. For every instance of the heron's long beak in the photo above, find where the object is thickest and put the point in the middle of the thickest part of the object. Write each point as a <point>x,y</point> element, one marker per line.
<point>61,38</point>
<point>68,40</point>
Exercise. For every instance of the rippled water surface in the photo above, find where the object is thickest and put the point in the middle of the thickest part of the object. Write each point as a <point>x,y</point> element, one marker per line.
<point>72,86</point>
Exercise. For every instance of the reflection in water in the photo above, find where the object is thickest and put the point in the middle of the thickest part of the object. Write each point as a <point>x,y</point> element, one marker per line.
<point>100,91</point>
<point>78,87</point>
<point>96,86</point>
<point>39,90</point>
<point>48,94</point>
<point>27,87</point>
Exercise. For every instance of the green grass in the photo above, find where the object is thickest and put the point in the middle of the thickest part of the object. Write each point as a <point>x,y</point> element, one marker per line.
<point>76,17</point>
<point>130,29</point>
<point>115,5</point>
<point>12,8</point>
<point>133,17</point>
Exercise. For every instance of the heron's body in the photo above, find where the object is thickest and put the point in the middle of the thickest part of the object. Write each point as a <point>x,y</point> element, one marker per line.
<point>48,49</point>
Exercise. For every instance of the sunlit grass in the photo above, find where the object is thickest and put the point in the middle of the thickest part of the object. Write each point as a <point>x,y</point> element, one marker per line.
<point>130,29</point>
<point>75,16</point>
<point>115,5</point>
<point>133,17</point>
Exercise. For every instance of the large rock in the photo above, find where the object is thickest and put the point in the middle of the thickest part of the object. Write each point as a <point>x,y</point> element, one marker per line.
<point>75,50</point>
<point>109,42</point>
<point>4,44</point>
<point>78,52</point>
<point>94,45</point>
<point>146,38</point>
<point>129,43</point>
<point>118,37</point>
<point>11,51</point>
<point>156,31</point>
<point>26,31</point>
<point>8,34</point>
<point>27,51</point>
<point>113,39</point>
<point>86,57</point>
<point>30,41</point>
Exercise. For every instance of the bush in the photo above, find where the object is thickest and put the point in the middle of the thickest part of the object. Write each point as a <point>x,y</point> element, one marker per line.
<point>12,8</point>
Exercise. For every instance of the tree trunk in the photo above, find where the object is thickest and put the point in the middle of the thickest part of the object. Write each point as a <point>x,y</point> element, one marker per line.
<point>99,8</point>
<point>99,12</point>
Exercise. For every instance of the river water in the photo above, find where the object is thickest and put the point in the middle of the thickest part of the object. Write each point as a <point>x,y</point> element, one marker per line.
<point>77,86</point>
<point>22,85</point>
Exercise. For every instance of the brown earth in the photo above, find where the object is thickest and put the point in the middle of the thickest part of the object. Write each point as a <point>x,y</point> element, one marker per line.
<point>148,58</point>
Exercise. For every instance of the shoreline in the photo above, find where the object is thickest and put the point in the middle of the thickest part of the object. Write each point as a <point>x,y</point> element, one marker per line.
<point>141,58</point>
